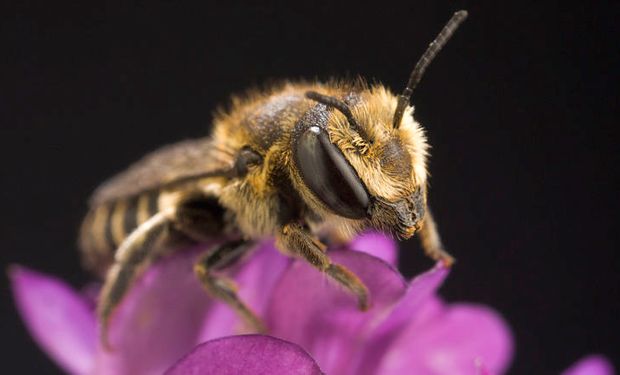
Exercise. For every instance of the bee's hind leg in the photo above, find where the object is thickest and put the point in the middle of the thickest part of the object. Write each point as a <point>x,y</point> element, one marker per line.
<point>294,240</point>
<point>221,287</point>
<point>138,250</point>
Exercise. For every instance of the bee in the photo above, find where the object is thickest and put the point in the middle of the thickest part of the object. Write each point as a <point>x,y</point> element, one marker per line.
<point>298,162</point>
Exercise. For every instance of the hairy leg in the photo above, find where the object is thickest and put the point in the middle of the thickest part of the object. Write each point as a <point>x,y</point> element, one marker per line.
<point>221,287</point>
<point>294,240</point>
<point>431,242</point>
<point>137,251</point>
<point>196,219</point>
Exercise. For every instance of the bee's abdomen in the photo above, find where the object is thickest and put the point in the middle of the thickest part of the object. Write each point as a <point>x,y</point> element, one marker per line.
<point>108,224</point>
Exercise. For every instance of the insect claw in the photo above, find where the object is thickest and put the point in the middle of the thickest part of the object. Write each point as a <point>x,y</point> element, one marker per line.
<point>447,260</point>
<point>104,338</point>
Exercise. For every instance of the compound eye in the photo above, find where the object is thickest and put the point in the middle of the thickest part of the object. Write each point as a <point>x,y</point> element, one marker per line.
<point>329,175</point>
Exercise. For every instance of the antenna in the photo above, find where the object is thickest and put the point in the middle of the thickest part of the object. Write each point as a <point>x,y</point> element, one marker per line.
<point>424,61</point>
<point>338,104</point>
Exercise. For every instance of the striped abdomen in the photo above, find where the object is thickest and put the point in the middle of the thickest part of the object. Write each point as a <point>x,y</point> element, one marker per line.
<point>108,224</point>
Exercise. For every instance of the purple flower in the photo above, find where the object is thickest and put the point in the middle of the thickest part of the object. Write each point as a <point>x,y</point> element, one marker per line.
<point>591,365</point>
<point>168,323</point>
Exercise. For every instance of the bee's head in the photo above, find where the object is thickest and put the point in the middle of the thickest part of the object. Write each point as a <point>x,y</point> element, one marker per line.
<point>356,165</point>
<point>360,155</point>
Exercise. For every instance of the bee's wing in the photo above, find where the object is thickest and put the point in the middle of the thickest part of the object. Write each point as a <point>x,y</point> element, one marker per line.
<point>170,164</point>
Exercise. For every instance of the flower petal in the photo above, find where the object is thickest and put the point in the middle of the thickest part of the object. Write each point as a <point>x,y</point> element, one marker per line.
<point>158,320</point>
<point>167,312</point>
<point>421,289</point>
<point>319,315</point>
<point>247,354</point>
<point>416,307</point>
<point>591,365</point>
<point>58,318</point>
<point>453,340</point>
<point>376,244</point>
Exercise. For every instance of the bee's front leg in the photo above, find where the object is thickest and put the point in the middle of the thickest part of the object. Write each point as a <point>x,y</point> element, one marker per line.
<point>431,242</point>
<point>292,239</point>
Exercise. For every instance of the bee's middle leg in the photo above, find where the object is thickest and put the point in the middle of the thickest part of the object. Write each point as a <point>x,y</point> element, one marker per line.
<point>199,224</point>
<point>294,240</point>
<point>221,287</point>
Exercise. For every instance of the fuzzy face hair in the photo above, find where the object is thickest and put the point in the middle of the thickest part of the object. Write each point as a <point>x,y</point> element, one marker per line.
<point>390,162</point>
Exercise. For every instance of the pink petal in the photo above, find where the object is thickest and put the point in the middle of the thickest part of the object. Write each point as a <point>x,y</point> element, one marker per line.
<point>248,354</point>
<point>591,365</point>
<point>158,321</point>
<point>421,289</point>
<point>167,312</point>
<point>58,318</point>
<point>454,340</point>
<point>481,368</point>
<point>323,318</point>
<point>416,307</point>
<point>376,244</point>
<point>256,279</point>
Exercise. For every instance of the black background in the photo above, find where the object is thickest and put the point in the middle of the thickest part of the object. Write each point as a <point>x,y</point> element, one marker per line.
<point>520,108</point>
